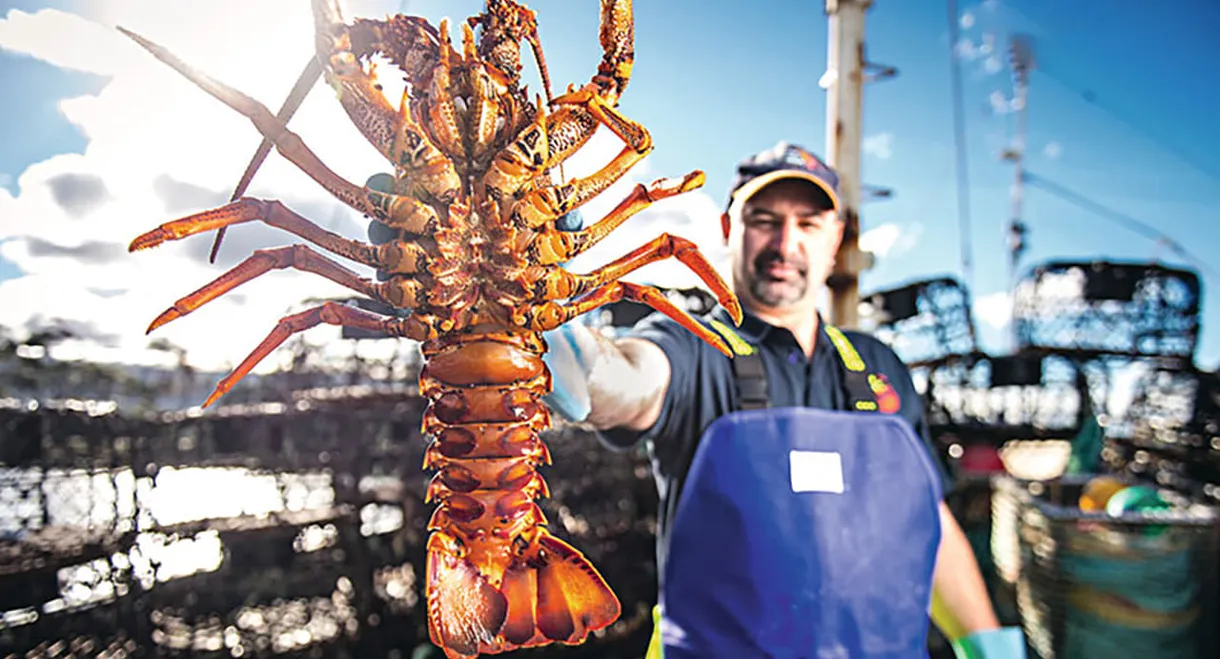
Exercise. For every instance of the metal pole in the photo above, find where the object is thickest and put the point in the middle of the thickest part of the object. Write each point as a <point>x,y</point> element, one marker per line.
<point>1021,57</point>
<point>963,168</point>
<point>844,127</point>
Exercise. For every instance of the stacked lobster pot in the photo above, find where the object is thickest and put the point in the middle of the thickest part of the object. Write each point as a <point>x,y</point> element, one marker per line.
<point>1110,566</point>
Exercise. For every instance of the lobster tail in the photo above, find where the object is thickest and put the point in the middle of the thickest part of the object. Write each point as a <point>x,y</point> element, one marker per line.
<point>497,578</point>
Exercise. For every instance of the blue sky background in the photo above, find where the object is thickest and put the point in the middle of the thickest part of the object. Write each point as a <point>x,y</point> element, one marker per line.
<point>715,81</point>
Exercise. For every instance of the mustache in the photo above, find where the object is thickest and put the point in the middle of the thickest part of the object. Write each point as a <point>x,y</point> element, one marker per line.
<point>769,257</point>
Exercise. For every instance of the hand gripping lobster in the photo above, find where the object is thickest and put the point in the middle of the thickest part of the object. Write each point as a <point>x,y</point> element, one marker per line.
<point>475,264</point>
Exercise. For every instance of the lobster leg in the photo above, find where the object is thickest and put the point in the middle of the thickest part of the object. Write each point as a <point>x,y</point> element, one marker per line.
<point>560,283</point>
<point>617,37</point>
<point>549,315</point>
<point>392,132</point>
<point>521,161</point>
<point>400,292</point>
<point>571,125</point>
<point>545,143</point>
<point>418,328</point>
<point>272,213</point>
<point>543,205</point>
<point>397,136</point>
<point>439,107</point>
<point>395,257</point>
<point>553,246</point>
<point>288,143</point>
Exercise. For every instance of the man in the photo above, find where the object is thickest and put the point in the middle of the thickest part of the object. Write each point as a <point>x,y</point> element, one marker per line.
<point>662,385</point>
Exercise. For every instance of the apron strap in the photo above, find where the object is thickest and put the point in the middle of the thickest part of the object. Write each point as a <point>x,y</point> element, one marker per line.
<point>749,373</point>
<point>751,376</point>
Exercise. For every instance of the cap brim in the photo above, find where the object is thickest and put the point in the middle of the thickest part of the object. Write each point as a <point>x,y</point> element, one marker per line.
<point>759,182</point>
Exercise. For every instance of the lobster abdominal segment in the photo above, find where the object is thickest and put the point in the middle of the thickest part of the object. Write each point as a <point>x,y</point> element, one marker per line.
<point>473,257</point>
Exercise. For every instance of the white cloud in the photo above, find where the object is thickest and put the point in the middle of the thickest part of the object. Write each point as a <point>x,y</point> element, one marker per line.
<point>994,309</point>
<point>149,128</point>
<point>880,239</point>
<point>1053,150</point>
<point>1001,104</point>
<point>983,53</point>
<point>159,148</point>
<point>987,45</point>
<point>879,146</point>
<point>890,239</point>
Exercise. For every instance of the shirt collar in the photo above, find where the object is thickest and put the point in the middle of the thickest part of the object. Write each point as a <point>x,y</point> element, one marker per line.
<point>757,331</point>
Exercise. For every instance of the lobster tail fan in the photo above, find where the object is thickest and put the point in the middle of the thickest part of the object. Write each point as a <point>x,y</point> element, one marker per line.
<point>465,611</point>
<point>553,595</point>
<point>573,599</point>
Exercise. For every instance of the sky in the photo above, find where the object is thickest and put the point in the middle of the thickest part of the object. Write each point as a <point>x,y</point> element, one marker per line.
<point>102,142</point>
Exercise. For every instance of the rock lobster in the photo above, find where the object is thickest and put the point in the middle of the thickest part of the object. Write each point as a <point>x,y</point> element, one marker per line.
<point>475,262</point>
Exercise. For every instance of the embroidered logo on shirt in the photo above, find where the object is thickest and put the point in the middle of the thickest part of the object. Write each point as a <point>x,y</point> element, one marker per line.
<point>887,399</point>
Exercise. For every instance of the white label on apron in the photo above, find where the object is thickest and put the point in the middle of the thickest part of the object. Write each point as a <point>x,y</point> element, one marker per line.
<point>816,471</point>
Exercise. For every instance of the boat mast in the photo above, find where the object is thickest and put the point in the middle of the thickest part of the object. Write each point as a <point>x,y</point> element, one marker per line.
<point>846,72</point>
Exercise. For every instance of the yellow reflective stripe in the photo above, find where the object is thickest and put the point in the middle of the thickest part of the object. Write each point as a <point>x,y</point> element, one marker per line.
<point>851,358</point>
<point>656,649</point>
<point>735,342</point>
<point>847,352</point>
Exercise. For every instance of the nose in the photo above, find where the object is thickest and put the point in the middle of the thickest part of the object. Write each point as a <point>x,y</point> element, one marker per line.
<point>785,239</point>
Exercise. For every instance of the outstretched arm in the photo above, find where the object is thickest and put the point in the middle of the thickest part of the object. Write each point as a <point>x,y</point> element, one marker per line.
<point>605,382</point>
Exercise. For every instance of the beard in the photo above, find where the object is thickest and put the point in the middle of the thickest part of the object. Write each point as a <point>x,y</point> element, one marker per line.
<point>773,291</point>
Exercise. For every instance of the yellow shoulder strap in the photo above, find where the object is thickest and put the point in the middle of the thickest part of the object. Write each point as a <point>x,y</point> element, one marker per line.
<point>847,352</point>
<point>861,385</point>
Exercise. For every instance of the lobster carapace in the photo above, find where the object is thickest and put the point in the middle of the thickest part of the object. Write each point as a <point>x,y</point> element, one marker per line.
<point>476,265</point>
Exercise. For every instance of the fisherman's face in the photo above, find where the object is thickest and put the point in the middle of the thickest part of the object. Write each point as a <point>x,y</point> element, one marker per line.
<point>783,241</point>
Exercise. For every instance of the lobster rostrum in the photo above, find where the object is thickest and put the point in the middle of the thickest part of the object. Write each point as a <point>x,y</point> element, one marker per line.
<point>475,263</point>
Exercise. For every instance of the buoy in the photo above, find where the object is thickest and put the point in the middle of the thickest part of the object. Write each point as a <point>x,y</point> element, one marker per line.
<point>1097,493</point>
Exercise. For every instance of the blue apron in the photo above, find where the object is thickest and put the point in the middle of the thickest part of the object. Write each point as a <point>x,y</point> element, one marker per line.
<point>803,533</point>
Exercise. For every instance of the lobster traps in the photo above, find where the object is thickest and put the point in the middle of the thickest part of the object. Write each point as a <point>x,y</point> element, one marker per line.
<point>1095,585</point>
<point>926,322</point>
<point>1093,309</point>
<point>1170,433</point>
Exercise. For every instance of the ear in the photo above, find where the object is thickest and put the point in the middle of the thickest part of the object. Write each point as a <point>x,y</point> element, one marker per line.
<point>724,225</point>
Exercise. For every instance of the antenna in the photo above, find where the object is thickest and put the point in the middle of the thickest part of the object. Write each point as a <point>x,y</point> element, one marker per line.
<point>1021,59</point>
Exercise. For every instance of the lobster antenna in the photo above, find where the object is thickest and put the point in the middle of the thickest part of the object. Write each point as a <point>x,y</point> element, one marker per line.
<point>540,59</point>
<point>305,82</point>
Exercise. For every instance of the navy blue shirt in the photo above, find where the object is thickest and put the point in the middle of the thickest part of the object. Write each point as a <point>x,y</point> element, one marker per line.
<point>702,389</point>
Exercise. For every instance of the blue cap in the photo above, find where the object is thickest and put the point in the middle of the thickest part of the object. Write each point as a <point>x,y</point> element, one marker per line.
<point>781,161</point>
